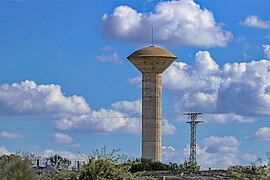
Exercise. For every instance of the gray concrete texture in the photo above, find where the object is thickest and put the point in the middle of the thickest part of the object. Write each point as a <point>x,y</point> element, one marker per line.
<point>152,62</point>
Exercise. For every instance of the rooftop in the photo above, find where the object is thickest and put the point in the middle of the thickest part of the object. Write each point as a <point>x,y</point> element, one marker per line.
<point>151,51</point>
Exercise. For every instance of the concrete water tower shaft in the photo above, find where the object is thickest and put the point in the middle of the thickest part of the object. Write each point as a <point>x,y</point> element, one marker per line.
<point>151,62</point>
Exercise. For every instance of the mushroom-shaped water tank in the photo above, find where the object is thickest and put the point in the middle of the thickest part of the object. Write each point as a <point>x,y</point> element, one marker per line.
<point>152,59</point>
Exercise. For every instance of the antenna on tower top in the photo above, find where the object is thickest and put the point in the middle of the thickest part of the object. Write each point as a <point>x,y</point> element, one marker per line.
<point>152,36</point>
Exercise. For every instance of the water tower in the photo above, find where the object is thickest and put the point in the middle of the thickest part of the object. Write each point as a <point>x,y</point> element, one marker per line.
<point>151,62</point>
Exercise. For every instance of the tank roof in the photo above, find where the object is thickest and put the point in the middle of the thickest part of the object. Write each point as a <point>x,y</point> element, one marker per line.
<point>151,51</point>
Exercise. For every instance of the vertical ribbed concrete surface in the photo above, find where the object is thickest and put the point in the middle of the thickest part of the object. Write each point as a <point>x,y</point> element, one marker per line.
<point>151,61</point>
<point>152,114</point>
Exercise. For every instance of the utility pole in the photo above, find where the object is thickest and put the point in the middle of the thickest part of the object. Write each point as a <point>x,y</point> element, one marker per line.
<point>193,124</point>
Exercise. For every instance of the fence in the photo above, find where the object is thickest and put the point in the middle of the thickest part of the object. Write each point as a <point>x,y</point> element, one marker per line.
<point>205,167</point>
<point>76,163</point>
<point>42,162</point>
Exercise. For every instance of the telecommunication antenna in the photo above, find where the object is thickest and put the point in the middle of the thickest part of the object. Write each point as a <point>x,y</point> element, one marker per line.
<point>193,124</point>
<point>152,36</point>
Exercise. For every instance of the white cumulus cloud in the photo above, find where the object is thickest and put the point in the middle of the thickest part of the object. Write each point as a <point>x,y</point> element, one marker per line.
<point>226,144</point>
<point>62,138</point>
<point>224,118</point>
<point>169,154</point>
<point>212,150</point>
<point>121,117</point>
<point>9,135</point>
<point>128,106</point>
<point>181,22</point>
<point>262,134</point>
<point>28,98</point>
<point>233,91</point>
<point>66,154</point>
<point>107,121</point>
<point>113,58</point>
<point>72,112</point>
<point>49,152</point>
<point>255,21</point>
<point>3,151</point>
<point>102,121</point>
<point>266,49</point>
<point>167,127</point>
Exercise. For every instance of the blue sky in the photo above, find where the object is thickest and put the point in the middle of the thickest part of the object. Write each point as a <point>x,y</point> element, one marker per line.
<point>66,85</point>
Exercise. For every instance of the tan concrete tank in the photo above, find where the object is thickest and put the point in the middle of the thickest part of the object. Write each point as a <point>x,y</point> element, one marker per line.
<point>152,62</point>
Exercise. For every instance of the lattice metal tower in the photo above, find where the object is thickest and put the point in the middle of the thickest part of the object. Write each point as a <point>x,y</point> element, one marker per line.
<point>193,124</point>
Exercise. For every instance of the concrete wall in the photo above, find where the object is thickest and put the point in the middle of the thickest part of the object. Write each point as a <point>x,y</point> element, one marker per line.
<point>152,116</point>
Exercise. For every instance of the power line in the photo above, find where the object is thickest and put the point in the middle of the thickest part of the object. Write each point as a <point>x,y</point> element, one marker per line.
<point>100,117</point>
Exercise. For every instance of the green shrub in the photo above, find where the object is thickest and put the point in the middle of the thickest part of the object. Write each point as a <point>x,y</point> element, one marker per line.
<point>101,165</point>
<point>189,167</point>
<point>256,169</point>
<point>146,165</point>
<point>174,168</point>
<point>140,165</point>
<point>16,167</point>
<point>58,162</point>
<point>65,175</point>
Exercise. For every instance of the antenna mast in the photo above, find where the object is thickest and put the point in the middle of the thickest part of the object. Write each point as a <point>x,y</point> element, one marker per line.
<point>152,36</point>
<point>193,124</point>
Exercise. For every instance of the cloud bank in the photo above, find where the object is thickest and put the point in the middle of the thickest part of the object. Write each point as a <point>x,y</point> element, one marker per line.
<point>28,98</point>
<point>102,121</point>
<point>226,144</point>
<point>3,151</point>
<point>223,150</point>
<point>72,112</point>
<point>121,117</point>
<point>9,135</point>
<point>113,58</point>
<point>266,50</point>
<point>256,22</point>
<point>235,90</point>
<point>49,152</point>
<point>180,22</point>
<point>62,138</point>
<point>66,154</point>
<point>262,134</point>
